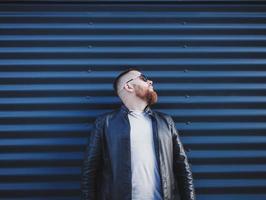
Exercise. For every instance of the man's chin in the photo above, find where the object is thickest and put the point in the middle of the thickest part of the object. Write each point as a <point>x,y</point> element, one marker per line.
<point>152,97</point>
<point>147,94</point>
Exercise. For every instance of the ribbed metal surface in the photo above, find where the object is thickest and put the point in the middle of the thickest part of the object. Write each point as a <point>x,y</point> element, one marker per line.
<point>57,64</point>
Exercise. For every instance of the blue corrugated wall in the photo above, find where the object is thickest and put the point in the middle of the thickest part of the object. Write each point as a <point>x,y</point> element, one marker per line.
<point>57,63</point>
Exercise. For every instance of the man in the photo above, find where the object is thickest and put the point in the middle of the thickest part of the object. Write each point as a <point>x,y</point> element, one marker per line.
<point>134,152</point>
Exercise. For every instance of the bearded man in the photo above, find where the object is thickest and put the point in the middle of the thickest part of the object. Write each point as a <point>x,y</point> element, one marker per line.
<point>135,153</point>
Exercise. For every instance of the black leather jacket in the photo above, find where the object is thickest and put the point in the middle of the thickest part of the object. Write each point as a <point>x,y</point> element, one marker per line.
<point>106,173</point>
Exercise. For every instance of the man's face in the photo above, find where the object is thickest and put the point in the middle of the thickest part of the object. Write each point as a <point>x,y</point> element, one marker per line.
<point>143,88</point>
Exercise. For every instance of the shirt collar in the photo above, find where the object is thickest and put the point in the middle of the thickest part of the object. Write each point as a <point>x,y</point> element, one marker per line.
<point>147,110</point>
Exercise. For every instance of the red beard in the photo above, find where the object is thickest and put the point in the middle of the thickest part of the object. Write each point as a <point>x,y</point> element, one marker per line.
<point>147,95</point>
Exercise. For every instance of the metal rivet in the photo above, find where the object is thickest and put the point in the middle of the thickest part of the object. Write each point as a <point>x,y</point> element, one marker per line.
<point>188,122</point>
<point>184,46</point>
<point>185,70</point>
<point>89,46</point>
<point>187,96</point>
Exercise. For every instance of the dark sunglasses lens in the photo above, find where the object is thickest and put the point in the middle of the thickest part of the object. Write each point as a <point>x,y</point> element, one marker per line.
<point>144,78</point>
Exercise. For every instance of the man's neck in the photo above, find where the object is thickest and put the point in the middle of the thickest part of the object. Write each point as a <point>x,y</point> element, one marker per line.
<point>138,106</point>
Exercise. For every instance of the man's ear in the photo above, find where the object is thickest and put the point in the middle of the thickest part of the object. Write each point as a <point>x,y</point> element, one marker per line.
<point>129,87</point>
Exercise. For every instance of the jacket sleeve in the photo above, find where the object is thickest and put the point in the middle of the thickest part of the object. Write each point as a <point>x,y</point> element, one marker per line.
<point>92,163</point>
<point>182,169</point>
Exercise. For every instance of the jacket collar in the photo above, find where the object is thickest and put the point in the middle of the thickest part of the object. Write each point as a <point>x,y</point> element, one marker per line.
<point>147,110</point>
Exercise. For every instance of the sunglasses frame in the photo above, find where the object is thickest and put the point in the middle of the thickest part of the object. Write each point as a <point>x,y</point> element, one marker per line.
<point>141,76</point>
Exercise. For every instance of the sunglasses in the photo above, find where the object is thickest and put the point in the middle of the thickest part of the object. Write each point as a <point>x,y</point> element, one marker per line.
<point>141,76</point>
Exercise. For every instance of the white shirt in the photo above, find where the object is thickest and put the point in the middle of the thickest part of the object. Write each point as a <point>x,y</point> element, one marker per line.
<point>146,183</point>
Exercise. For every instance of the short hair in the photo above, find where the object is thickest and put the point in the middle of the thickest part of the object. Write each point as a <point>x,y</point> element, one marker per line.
<point>115,83</point>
